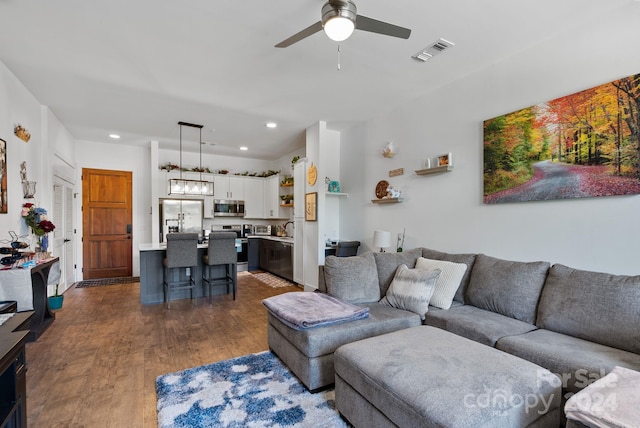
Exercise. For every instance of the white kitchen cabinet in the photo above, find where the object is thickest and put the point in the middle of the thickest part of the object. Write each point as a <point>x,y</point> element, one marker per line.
<point>254,206</point>
<point>226,187</point>
<point>299,189</point>
<point>272,207</point>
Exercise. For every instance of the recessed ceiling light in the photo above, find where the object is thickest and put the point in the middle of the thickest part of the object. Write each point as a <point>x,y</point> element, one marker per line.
<point>114,136</point>
<point>244,148</point>
<point>271,125</point>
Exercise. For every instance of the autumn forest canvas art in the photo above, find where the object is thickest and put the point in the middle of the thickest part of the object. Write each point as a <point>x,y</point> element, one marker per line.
<point>582,145</point>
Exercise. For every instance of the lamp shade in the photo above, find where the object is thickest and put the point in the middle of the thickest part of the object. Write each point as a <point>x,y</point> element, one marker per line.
<point>381,239</point>
<point>339,19</point>
<point>339,28</point>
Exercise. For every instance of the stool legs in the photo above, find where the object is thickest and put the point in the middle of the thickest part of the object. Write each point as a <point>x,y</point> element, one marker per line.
<point>170,285</point>
<point>229,279</point>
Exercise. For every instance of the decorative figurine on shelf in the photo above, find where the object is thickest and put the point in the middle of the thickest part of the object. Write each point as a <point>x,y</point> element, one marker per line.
<point>334,187</point>
<point>392,193</point>
<point>388,151</point>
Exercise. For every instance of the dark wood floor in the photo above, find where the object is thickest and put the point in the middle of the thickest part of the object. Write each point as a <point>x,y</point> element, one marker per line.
<point>96,365</point>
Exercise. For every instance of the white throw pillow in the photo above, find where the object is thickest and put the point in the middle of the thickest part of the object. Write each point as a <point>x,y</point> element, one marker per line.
<point>411,290</point>
<point>448,281</point>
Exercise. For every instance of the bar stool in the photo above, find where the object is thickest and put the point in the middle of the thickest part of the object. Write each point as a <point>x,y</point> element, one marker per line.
<point>182,252</point>
<point>221,252</point>
<point>347,248</point>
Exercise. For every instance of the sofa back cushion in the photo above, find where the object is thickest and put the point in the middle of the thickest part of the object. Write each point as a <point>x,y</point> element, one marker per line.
<point>594,306</point>
<point>467,259</point>
<point>507,287</point>
<point>352,279</point>
<point>387,264</point>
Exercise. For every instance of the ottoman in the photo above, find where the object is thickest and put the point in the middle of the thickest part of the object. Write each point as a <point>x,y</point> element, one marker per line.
<point>427,377</point>
<point>309,353</point>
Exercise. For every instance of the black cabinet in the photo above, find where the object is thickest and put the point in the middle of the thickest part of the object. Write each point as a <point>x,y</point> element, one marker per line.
<point>13,369</point>
<point>253,254</point>
<point>277,257</point>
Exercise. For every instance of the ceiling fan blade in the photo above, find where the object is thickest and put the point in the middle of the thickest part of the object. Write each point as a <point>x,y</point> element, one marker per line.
<point>375,26</point>
<point>312,29</point>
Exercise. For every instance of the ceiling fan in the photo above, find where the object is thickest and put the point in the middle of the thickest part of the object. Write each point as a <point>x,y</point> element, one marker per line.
<point>339,19</point>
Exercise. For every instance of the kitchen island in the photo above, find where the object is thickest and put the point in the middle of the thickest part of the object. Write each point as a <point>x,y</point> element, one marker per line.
<point>151,274</point>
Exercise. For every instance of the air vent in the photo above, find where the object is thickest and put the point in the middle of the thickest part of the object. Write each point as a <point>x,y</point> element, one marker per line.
<point>432,50</point>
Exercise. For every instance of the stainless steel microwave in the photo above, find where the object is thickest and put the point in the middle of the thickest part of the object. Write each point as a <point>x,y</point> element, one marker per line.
<point>228,208</point>
<point>261,229</point>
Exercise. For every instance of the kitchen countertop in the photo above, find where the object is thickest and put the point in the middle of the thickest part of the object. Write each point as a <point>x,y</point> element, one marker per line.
<point>287,239</point>
<point>163,246</point>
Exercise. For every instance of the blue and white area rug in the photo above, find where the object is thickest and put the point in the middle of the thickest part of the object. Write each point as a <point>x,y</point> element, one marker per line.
<point>255,390</point>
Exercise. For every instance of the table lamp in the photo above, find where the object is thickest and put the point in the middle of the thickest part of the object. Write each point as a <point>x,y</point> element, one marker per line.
<point>382,239</point>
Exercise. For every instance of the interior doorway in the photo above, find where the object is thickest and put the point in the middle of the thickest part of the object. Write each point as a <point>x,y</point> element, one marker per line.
<point>63,244</point>
<point>106,223</point>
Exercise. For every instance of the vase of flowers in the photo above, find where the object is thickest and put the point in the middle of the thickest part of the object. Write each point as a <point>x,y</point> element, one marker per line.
<point>36,218</point>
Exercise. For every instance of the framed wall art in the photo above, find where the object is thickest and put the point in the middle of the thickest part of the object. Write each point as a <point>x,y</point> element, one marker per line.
<point>582,145</point>
<point>311,206</point>
<point>445,160</point>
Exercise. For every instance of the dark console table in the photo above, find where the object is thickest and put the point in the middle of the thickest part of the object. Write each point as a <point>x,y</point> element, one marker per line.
<point>38,276</point>
<point>42,317</point>
<point>13,369</point>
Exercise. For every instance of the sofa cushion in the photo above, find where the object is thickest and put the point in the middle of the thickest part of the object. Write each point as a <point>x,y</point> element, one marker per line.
<point>448,282</point>
<point>411,289</point>
<point>318,341</point>
<point>387,264</point>
<point>467,259</point>
<point>476,324</point>
<point>507,287</point>
<point>352,279</point>
<point>578,362</point>
<point>594,306</point>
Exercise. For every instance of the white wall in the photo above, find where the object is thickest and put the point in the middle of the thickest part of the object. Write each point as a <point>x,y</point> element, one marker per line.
<point>18,105</point>
<point>446,212</point>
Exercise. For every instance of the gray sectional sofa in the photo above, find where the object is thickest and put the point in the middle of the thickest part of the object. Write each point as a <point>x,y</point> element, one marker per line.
<point>577,324</point>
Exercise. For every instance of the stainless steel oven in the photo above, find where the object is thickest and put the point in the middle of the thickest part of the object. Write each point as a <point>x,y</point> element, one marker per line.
<point>228,208</point>
<point>243,254</point>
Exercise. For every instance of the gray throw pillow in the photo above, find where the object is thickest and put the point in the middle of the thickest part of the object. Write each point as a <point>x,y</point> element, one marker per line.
<point>387,264</point>
<point>352,279</point>
<point>411,290</point>
<point>507,287</point>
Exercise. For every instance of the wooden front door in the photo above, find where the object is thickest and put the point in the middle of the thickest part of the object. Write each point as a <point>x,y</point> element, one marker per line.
<point>106,223</point>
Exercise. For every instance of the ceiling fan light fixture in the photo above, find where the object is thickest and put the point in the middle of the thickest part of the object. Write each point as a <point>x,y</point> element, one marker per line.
<point>339,19</point>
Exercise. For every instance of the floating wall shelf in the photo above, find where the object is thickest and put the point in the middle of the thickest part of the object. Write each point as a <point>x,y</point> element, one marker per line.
<point>386,201</point>
<point>435,170</point>
<point>337,194</point>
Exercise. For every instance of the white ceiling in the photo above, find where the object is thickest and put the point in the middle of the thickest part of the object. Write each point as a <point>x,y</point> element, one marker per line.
<point>137,67</point>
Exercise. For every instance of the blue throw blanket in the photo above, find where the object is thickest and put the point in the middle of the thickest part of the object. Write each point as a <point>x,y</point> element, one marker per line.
<point>301,310</point>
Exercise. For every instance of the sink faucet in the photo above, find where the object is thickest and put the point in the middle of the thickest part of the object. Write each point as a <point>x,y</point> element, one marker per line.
<point>284,226</point>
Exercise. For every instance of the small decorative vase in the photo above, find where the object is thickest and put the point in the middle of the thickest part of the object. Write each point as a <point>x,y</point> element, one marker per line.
<point>42,244</point>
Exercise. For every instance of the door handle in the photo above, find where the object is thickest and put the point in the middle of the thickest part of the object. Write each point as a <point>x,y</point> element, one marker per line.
<point>67,240</point>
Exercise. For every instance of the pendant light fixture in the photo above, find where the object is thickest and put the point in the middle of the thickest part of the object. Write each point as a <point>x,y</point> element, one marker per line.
<point>181,186</point>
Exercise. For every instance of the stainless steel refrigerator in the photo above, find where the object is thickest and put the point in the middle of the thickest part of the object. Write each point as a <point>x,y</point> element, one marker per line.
<point>180,215</point>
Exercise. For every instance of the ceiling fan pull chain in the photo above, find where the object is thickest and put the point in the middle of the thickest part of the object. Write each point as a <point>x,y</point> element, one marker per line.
<point>338,57</point>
